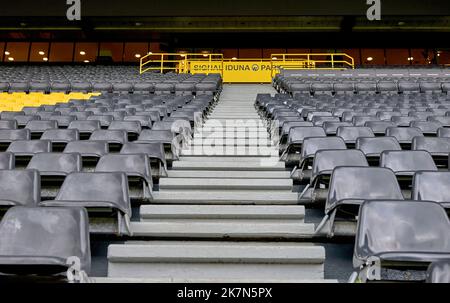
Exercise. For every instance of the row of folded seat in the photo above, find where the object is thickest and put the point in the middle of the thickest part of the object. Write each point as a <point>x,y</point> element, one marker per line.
<point>399,199</point>
<point>368,72</point>
<point>364,139</point>
<point>182,88</point>
<point>107,79</point>
<point>367,87</point>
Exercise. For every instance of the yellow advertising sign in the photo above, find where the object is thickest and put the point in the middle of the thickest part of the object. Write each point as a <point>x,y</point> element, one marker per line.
<point>236,71</point>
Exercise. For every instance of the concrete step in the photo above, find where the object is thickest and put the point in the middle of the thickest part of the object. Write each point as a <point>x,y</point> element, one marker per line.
<point>233,116</point>
<point>219,159</point>
<point>237,165</point>
<point>222,229</point>
<point>228,174</point>
<point>212,142</point>
<point>225,184</point>
<point>192,260</point>
<point>227,197</point>
<point>263,213</point>
<point>231,151</point>
<point>233,135</point>
<point>235,122</point>
<point>230,129</point>
<point>235,111</point>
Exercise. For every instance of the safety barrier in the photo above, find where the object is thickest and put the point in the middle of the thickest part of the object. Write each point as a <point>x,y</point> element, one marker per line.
<point>242,70</point>
<point>329,61</point>
<point>181,62</point>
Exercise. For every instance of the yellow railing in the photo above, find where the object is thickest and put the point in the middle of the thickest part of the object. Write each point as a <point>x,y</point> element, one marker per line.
<point>236,70</point>
<point>330,61</point>
<point>181,62</point>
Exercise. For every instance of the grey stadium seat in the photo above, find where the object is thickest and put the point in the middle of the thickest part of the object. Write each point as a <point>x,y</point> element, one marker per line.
<point>8,124</point>
<point>404,135</point>
<point>8,115</point>
<point>331,127</point>
<point>406,163</point>
<point>4,86</point>
<point>439,148</point>
<point>403,121</point>
<point>387,87</point>
<point>155,152</point>
<point>88,148</point>
<point>7,160</point>
<point>164,88</point>
<point>351,133</point>
<point>122,87</point>
<point>84,87</point>
<point>81,115</point>
<point>445,121</point>
<point>379,127</point>
<point>373,147</point>
<point>62,120</point>
<point>397,232</point>
<point>296,137</point>
<point>432,186</point>
<point>115,138</point>
<point>105,120</point>
<point>205,88</point>
<point>362,120</point>
<point>408,87</point>
<point>9,135</point>
<point>325,161</point>
<point>184,88</point>
<point>366,87</point>
<point>103,87</point>
<point>310,146</point>
<point>56,164</point>
<point>144,88</point>
<point>20,187</point>
<point>25,149</point>
<point>135,166</point>
<point>23,120</point>
<point>19,86</point>
<point>133,128</point>
<point>144,120</point>
<point>351,186</point>
<point>51,236</point>
<point>39,87</point>
<point>38,127</point>
<point>443,132</point>
<point>100,191</point>
<point>64,87</point>
<point>344,88</point>
<point>427,127</point>
<point>320,120</point>
<point>430,87</point>
<point>85,127</point>
<point>60,137</point>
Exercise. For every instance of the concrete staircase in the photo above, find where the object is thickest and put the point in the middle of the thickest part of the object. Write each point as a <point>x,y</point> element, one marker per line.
<point>225,212</point>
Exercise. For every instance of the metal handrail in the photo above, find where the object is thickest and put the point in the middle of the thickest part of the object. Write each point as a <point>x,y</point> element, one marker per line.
<point>309,61</point>
<point>182,65</point>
